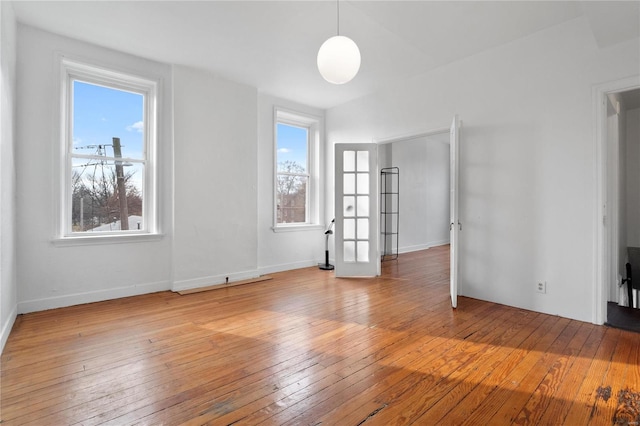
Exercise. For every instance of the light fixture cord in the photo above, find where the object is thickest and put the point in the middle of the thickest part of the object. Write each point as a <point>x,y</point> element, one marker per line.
<point>338,14</point>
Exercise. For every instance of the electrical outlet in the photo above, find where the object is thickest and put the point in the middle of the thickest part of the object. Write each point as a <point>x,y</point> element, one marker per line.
<point>541,287</point>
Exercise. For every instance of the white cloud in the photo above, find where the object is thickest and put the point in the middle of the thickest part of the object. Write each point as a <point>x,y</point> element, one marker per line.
<point>284,150</point>
<point>138,126</point>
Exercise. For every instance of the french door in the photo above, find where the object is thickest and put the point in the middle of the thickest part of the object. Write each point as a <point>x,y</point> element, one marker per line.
<point>454,226</point>
<point>356,210</point>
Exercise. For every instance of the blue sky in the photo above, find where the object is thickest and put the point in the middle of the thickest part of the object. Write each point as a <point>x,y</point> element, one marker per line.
<point>292,144</point>
<point>101,113</point>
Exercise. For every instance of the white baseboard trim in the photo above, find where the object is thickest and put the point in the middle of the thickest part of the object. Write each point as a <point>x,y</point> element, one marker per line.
<point>288,266</point>
<point>194,283</point>
<point>7,326</point>
<point>419,247</point>
<point>90,297</point>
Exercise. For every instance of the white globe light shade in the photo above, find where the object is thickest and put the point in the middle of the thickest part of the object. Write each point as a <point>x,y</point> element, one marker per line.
<point>338,59</point>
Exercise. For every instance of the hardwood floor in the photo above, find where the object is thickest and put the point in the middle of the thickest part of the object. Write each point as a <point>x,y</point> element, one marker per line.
<point>306,349</point>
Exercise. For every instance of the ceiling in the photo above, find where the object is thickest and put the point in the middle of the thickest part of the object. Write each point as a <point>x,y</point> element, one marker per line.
<point>272,45</point>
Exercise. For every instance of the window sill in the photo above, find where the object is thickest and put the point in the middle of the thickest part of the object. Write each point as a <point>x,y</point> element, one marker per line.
<point>297,227</point>
<point>105,239</point>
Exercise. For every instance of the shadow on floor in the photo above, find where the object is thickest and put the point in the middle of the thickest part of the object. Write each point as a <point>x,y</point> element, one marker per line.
<point>623,317</point>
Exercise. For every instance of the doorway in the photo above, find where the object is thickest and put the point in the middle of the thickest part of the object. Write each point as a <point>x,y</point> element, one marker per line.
<point>423,162</point>
<point>409,144</point>
<point>344,199</point>
<point>617,106</point>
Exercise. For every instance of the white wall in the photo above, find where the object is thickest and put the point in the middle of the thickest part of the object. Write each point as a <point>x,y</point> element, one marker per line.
<point>527,181</point>
<point>8,288</point>
<point>632,190</point>
<point>216,181</point>
<point>280,251</point>
<point>424,192</point>
<point>48,275</point>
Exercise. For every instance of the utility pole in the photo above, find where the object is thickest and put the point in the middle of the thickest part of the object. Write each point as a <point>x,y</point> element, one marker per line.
<point>122,192</point>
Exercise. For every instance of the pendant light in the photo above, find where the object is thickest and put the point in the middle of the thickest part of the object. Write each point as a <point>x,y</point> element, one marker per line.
<point>338,57</point>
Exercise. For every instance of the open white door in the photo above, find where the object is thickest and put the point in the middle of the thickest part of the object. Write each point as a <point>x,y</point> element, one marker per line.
<point>356,232</point>
<point>455,226</point>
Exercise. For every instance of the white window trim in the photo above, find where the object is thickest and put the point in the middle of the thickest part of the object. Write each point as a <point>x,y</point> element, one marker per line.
<point>70,70</point>
<point>313,123</point>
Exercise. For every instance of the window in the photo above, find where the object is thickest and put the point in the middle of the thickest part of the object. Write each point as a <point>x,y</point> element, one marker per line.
<point>297,165</point>
<point>293,174</point>
<point>109,138</point>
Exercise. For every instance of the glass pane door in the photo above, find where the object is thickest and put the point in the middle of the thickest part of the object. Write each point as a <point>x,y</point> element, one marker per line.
<point>356,210</point>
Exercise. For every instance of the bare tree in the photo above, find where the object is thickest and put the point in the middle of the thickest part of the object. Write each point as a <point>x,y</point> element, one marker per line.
<point>292,192</point>
<point>95,196</point>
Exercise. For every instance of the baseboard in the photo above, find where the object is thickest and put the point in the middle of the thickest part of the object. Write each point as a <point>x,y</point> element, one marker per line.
<point>7,326</point>
<point>224,285</point>
<point>287,267</point>
<point>426,246</point>
<point>90,297</point>
<point>213,280</point>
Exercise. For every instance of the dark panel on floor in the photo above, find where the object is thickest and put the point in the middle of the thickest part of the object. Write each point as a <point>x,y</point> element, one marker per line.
<point>623,317</point>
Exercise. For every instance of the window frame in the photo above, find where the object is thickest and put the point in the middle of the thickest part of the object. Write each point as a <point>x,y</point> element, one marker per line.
<point>70,71</point>
<point>313,125</point>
